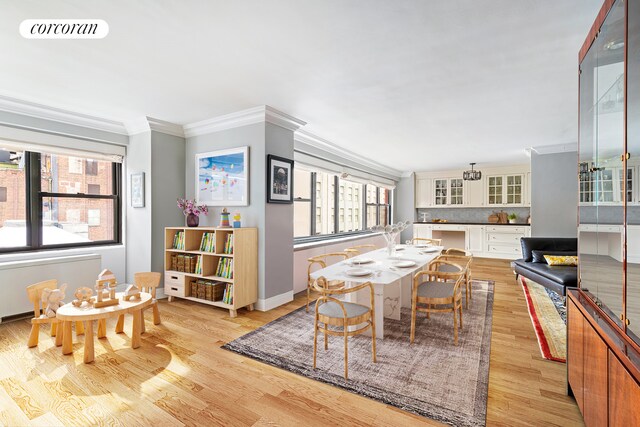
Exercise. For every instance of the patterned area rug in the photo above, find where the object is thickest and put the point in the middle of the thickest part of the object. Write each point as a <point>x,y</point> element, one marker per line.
<point>548,316</point>
<point>433,377</point>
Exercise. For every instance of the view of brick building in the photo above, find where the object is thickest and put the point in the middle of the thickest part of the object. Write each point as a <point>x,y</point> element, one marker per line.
<point>76,219</point>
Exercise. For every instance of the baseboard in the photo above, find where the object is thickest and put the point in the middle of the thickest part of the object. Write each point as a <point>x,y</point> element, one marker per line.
<point>273,302</point>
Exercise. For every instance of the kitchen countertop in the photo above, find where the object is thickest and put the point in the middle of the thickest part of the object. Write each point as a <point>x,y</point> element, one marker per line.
<point>470,223</point>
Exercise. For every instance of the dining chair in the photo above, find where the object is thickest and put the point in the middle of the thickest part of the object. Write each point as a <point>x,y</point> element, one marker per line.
<point>319,262</point>
<point>438,292</point>
<point>465,262</point>
<point>332,312</point>
<point>424,240</point>
<point>34,293</point>
<point>146,282</point>
<point>359,249</point>
<point>456,251</point>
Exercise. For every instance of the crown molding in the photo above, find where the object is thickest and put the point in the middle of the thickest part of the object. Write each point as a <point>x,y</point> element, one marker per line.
<point>147,124</point>
<point>41,111</point>
<point>554,149</point>
<point>263,113</point>
<point>322,144</point>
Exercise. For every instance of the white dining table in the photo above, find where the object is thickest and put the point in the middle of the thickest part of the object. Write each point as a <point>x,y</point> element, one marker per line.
<point>391,283</point>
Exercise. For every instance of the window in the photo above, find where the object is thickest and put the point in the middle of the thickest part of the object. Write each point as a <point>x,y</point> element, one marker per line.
<point>91,167</point>
<point>3,194</point>
<point>378,206</point>
<point>325,204</point>
<point>48,205</point>
<point>74,164</point>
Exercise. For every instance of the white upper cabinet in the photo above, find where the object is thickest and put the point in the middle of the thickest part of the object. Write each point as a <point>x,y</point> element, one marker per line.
<point>503,186</point>
<point>423,193</point>
<point>505,190</point>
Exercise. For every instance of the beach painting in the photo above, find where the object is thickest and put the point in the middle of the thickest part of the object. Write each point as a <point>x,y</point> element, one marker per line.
<point>222,177</point>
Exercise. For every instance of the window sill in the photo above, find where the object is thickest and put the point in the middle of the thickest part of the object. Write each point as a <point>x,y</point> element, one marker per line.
<point>331,239</point>
<point>56,253</point>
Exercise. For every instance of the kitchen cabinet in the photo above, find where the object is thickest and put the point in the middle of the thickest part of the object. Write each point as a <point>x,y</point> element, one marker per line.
<point>505,190</point>
<point>499,186</point>
<point>475,239</point>
<point>487,241</point>
<point>448,191</point>
<point>423,193</point>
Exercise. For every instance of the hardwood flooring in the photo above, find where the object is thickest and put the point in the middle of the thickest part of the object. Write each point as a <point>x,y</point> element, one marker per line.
<point>180,376</point>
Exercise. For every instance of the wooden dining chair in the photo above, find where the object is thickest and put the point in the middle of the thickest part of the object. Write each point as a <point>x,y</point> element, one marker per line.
<point>319,262</point>
<point>146,282</point>
<point>424,240</point>
<point>359,249</point>
<point>332,311</point>
<point>34,293</point>
<point>438,292</point>
<point>456,251</point>
<point>465,262</point>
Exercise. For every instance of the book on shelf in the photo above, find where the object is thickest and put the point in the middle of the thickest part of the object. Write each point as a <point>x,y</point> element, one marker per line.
<point>228,245</point>
<point>198,268</point>
<point>178,240</point>
<point>225,268</point>
<point>208,242</point>
<point>227,297</point>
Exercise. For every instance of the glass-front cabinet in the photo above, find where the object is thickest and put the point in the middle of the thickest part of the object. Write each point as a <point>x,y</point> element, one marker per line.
<point>448,191</point>
<point>505,190</point>
<point>608,164</point>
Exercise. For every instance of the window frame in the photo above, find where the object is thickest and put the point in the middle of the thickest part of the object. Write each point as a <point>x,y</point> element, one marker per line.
<point>34,218</point>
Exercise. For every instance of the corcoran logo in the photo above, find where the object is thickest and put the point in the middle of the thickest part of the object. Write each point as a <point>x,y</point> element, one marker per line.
<point>64,29</point>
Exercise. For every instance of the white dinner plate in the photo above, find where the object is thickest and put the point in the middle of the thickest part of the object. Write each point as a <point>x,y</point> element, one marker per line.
<point>404,263</point>
<point>361,261</point>
<point>421,246</point>
<point>430,250</point>
<point>357,272</point>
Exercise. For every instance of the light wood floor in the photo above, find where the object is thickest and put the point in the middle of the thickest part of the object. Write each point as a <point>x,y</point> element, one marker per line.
<point>180,375</point>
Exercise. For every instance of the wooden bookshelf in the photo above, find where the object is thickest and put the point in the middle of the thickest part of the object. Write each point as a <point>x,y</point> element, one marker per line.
<point>239,277</point>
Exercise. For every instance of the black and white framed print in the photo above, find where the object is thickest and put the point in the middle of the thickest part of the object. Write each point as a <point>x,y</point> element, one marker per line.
<point>279,179</point>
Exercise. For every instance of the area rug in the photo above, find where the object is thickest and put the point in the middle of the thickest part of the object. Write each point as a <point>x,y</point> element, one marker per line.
<point>548,317</point>
<point>432,377</point>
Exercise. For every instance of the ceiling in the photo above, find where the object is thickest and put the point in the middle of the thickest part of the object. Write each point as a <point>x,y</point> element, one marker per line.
<point>415,85</point>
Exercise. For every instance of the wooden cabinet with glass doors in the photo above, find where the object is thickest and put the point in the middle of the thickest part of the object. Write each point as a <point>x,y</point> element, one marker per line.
<point>604,312</point>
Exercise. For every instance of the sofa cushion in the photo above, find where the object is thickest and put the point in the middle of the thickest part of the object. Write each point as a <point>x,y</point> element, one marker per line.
<point>561,260</point>
<point>538,255</point>
<point>530,244</point>
<point>564,275</point>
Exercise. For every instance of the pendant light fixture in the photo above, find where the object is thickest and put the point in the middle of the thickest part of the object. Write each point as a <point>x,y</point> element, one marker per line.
<point>472,175</point>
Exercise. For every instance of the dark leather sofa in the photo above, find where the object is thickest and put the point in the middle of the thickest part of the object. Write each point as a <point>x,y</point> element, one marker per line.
<point>556,278</point>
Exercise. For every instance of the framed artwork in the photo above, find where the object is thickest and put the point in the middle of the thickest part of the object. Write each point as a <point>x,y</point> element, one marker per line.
<point>222,177</point>
<point>279,179</point>
<point>137,190</point>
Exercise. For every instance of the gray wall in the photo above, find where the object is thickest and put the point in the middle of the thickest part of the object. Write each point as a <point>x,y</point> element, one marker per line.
<point>278,222</point>
<point>167,175</point>
<point>138,229</point>
<point>405,205</point>
<point>274,221</point>
<point>554,194</point>
<point>253,215</point>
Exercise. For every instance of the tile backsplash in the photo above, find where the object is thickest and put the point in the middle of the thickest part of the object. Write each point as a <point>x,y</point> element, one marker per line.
<point>609,215</point>
<point>470,214</point>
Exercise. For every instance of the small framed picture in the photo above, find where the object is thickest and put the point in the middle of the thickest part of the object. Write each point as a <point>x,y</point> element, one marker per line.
<point>137,190</point>
<point>279,179</point>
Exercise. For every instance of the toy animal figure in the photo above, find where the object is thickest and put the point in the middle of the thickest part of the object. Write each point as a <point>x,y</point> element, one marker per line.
<point>83,294</point>
<point>53,298</point>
